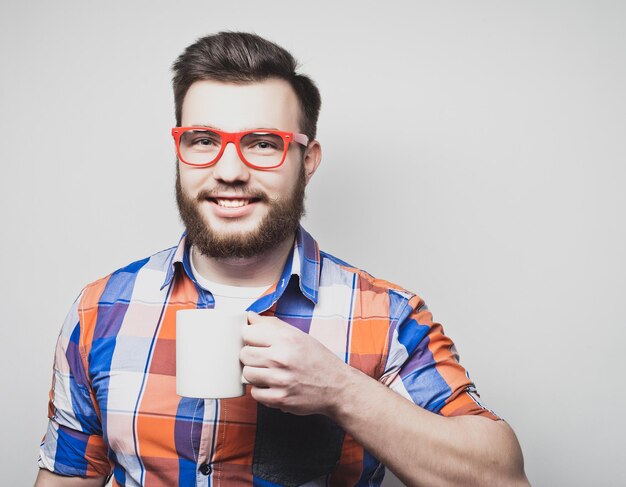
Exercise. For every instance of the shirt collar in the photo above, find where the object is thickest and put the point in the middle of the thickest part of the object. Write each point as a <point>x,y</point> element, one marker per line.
<point>308,255</point>
<point>304,263</point>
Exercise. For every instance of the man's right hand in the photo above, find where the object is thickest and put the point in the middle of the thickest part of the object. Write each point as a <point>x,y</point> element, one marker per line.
<point>45,478</point>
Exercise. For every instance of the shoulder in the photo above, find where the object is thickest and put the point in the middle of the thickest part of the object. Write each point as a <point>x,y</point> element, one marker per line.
<point>337,272</point>
<point>120,284</point>
<point>102,304</point>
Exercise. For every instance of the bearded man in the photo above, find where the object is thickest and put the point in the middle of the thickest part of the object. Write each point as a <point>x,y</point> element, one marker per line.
<point>347,373</point>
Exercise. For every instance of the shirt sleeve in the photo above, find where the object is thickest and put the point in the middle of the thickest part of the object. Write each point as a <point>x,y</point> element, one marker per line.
<point>423,365</point>
<point>73,444</point>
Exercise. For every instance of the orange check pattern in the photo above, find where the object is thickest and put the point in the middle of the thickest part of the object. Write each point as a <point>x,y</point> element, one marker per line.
<point>113,408</point>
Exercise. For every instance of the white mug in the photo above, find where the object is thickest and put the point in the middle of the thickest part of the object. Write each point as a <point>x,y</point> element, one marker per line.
<point>208,343</point>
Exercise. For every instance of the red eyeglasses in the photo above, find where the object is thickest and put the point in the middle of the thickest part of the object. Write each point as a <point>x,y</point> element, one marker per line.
<point>259,149</point>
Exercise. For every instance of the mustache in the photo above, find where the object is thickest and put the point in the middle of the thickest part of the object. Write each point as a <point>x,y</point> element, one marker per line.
<point>232,189</point>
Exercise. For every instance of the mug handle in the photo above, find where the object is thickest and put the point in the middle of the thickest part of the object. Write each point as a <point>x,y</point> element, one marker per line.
<point>244,381</point>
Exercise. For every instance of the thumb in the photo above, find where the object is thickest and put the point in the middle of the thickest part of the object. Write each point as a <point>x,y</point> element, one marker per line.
<point>253,317</point>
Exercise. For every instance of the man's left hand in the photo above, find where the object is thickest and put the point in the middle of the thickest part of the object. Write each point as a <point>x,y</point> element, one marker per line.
<point>289,369</point>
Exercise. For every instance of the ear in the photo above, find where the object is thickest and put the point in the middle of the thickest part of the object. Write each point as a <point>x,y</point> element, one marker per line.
<point>312,159</point>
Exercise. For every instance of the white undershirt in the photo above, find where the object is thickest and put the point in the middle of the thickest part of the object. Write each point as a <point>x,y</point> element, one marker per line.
<point>231,298</point>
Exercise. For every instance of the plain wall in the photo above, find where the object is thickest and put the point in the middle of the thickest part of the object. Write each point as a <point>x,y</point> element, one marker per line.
<point>474,152</point>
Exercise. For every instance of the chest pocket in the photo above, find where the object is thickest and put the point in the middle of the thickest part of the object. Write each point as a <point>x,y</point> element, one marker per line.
<point>292,450</point>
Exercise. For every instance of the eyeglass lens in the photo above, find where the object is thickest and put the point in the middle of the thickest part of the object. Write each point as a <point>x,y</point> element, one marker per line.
<point>257,148</point>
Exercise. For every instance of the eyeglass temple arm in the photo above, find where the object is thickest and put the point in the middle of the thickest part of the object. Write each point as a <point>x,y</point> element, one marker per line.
<point>301,139</point>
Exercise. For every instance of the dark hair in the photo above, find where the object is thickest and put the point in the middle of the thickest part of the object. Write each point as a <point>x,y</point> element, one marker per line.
<point>240,57</point>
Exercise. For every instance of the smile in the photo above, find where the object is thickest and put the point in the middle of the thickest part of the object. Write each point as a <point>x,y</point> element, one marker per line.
<point>231,203</point>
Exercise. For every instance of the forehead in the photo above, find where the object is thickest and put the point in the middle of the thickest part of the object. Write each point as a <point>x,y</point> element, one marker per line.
<point>270,103</point>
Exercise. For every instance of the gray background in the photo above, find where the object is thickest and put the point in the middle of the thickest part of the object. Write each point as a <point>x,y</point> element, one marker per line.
<point>473,153</point>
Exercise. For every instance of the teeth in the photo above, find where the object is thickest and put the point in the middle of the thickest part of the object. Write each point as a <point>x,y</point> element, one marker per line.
<point>232,203</point>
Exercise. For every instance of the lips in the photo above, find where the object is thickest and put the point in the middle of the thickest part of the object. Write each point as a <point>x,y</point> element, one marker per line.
<point>231,203</point>
<point>226,202</point>
<point>231,206</point>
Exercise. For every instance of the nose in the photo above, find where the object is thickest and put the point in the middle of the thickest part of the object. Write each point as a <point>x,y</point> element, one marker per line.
<point>230,168</point>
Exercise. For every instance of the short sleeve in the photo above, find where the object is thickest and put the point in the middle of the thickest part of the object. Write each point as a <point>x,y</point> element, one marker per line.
<point>423,365</point>
<point>73,444</point>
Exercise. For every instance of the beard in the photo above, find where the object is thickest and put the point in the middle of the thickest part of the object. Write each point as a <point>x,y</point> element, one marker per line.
<point>280,223</point>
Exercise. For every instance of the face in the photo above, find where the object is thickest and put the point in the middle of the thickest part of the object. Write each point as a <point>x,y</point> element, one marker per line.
<point>230,209</point>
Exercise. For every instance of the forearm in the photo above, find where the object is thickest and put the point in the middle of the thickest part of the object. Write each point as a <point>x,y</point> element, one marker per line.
<point>423,448</point>
<point>45,478</point>
<point>291,371</point>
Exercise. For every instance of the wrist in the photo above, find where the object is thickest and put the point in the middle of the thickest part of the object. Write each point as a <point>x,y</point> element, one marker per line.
<point>345,394</point>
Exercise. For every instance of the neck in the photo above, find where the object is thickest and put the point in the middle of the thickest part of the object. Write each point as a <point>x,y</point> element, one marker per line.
<point>259,270</point>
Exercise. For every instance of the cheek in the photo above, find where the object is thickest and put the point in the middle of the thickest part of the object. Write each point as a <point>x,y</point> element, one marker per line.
<point>285,180</point>
<point>192,179</point>
<point>291,183</point>
<point>278,187</point>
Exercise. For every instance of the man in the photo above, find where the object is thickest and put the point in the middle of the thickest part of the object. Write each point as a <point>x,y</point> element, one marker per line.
<point>347,372</point>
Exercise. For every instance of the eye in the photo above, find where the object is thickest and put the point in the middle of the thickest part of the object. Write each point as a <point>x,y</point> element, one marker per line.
<point>201,139</point>
<point>264,144</point>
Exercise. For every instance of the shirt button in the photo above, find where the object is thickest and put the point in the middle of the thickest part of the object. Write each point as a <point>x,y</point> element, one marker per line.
<point>205,469</point>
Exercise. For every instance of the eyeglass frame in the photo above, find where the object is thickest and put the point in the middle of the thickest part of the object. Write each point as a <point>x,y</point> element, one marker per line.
<point>235,138</point>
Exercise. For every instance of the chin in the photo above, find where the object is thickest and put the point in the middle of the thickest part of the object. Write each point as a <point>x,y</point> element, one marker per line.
<point>233,227</point>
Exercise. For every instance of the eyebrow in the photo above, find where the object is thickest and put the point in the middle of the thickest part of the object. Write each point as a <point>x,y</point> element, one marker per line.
<point>205,126</point>
<point>244,130</point>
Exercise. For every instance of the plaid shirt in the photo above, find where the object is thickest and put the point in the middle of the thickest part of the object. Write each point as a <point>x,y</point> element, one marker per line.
<point>113,406</point>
